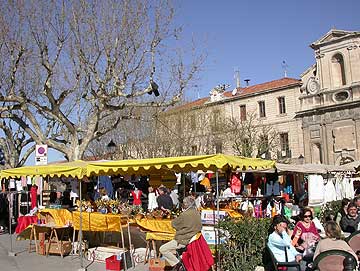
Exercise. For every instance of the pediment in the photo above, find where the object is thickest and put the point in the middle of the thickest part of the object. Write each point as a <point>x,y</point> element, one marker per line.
<point>332,35</point>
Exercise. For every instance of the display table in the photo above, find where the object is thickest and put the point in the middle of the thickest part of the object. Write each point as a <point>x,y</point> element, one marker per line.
<point>155,230</point>
<point>23,222</point>
<point>156,225</point>
<point>54,237</point>
<point>99,222</point>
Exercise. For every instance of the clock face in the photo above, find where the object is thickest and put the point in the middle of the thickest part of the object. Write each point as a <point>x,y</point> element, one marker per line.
<point>313,86</point>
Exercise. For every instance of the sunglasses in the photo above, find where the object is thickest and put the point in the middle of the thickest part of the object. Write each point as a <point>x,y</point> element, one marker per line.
<point>305,216</point>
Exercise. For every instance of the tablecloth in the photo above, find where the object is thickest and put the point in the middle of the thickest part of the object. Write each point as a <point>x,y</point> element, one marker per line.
<point>98,221</point>
<point>61,217</point>
<point>24,222</point>
<point>156,225</point>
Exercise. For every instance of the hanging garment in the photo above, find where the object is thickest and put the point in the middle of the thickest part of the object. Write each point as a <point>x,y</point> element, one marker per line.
<point>338,188</point>
<point>330,191</point>
<point>105,181</point>
<point>349,188</point>
<point>194,177</point>
<point>33,195</point>
<point>316,189</point>
<point>205,182</point>
<point>235,184</point>
<point>152,203</point>
<point>137,197</point>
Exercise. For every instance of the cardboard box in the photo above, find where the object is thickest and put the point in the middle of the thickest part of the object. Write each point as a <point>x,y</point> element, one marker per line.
<point>99,254</point>
<point>156,265</point>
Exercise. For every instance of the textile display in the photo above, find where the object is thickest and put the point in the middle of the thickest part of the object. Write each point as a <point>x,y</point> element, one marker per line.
<point>156,225</point>
<point>330,191</point>
<point>316,189</point>
<point>235,184</point>
<point>24,222</point>
<point>159,236</point>
<point>33,195</point>
<point>98,221</point>
<point>61,217</point>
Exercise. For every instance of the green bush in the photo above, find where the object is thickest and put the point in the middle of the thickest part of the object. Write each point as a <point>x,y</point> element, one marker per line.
<point>245,242</point>
<point>329,209</point>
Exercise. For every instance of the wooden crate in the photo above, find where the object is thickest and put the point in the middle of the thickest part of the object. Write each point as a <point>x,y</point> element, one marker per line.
<point>54,248</point>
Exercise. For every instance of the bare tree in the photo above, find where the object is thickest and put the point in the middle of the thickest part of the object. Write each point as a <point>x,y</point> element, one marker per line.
<point>251,137</point>
<point>72,71</point>
<point>15,144</point>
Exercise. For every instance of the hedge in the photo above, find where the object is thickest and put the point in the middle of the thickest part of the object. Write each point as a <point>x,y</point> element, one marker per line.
<point>245,242</point>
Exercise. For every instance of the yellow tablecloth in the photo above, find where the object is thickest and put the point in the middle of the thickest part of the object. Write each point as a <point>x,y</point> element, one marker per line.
<point>159,236</point>
<point>98,221</point>
<point>156,225</point>
<point>232,213</point>
<point>61,217</point>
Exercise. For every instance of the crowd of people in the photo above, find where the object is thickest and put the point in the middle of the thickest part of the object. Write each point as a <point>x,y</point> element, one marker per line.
<point>309,237</point>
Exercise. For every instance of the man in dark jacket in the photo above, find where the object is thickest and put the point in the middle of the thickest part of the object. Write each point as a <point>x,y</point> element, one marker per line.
<point>164,200</point>
<point>350,222</point>
<point>187,224</point>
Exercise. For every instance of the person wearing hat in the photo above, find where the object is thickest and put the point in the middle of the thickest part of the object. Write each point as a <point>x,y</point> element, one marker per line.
<point>187,224</point>
<point>279,243</point>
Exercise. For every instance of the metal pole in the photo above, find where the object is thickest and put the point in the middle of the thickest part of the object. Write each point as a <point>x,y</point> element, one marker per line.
<point>80,229</point>
<point>218,216</point>
<point>11,207</point>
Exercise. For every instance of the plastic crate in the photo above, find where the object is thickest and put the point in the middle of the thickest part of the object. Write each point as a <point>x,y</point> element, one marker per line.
<point>112,263</point>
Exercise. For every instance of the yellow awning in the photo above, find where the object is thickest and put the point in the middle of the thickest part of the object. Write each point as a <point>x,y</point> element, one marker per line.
<point>75,169</point>
<point>177,164</point>
<point>79,169</point>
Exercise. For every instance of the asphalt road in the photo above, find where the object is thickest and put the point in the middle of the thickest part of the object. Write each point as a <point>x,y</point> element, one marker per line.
<point>34,262</point>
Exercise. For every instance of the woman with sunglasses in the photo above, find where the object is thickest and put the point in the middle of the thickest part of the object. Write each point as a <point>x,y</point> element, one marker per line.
<point>305,234</point>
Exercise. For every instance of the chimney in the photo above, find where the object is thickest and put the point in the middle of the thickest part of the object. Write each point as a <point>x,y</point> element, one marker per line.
<point>237,78</point>
<point>247,82</point>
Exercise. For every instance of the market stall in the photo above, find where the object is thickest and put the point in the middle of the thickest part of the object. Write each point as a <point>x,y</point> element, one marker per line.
<point>80,169</point>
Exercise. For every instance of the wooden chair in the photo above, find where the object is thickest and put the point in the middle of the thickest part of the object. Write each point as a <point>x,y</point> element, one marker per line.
<point>273,264</point>
<point>332,260</point>
<point>354,242</point>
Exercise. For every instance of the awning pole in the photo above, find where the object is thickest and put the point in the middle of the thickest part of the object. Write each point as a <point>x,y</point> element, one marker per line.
<point>80,229</point>
<point>217,219</point>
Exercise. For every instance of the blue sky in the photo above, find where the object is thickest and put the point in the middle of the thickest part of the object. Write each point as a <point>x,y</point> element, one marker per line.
<point>256,36</point>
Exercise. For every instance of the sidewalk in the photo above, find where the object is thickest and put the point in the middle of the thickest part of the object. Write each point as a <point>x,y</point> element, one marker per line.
<point>34,262</point>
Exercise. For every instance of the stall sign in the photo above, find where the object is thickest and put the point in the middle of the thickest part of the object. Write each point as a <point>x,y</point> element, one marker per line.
<point>210,235</point>
<point>211,217</point>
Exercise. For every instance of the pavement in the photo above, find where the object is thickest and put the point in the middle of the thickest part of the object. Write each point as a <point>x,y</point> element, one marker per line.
<point>35,262</point>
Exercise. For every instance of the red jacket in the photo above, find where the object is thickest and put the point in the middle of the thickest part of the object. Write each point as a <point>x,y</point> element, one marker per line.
<point>197,256</point>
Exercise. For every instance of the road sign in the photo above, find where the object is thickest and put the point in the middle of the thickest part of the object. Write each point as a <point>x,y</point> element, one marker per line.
<point>41,155</point>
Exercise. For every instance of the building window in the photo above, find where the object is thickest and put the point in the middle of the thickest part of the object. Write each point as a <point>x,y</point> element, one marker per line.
<point>262,112</point>
<point>218,147</point>
<point>242,112</point>
<point>282,108</point>
<point>338,70</point>
<point>193,150</point>
<point>284,144</point>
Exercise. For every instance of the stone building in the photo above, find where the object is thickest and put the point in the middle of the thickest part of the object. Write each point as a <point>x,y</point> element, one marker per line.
<point>329,104</point>
<point>316,117</point>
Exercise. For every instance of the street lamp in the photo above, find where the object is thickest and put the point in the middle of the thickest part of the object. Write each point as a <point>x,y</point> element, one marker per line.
<point>111,147</point>
<point>301,159</point>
